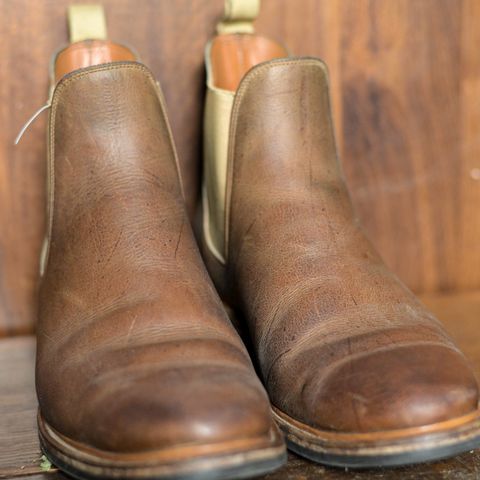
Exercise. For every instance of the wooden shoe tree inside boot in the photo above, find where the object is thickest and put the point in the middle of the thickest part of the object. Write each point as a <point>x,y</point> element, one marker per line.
<point>232,55</point>
<point>89,45</point>
<point>237,48</point>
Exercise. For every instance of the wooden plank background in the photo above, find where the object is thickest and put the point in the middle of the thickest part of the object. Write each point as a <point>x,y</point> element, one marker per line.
<point>405,78</point>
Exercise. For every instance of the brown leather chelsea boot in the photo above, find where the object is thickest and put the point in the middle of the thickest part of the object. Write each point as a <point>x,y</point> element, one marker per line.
<point>139,372</point>
<point>358,372</point>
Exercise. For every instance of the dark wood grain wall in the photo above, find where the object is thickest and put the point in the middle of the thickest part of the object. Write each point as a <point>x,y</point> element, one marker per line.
<point>405,78</point>
<point>406,91</point>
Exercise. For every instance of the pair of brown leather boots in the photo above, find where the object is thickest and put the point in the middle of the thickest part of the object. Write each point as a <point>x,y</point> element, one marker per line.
<point>140,373</point>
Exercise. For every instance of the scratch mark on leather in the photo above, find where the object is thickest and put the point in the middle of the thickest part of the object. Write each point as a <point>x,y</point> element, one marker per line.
<point>310,190</point>
<point>352,373</point>
<point>303,105</point>
<point>114,248</point>
<point>146,338</point>
<point>320,330</point>
<point>274,362</point>
<point>179,238</point>
<point>131,372</point>
<point>360,398</point>
<point>67,160</point>
<point>47,336</point>
<point>132,325</point>
<point>266,333</point>
<point>290,297</point>
<point>245,235</point>
<point>73,299</point>
<point>86,321</point>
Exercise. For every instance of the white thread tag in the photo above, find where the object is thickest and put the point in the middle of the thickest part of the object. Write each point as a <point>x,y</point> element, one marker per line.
<point>30,121</point>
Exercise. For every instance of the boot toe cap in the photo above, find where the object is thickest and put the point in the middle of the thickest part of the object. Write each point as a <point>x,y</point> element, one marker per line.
<point>395,388</point>
<point>155,409</point>
<point>200,406</point>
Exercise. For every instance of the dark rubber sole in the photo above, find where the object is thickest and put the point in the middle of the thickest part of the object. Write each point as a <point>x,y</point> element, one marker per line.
<point>382,449</point>
<point>253,469</point>
<point>84,464</point>
<point>369,462</point>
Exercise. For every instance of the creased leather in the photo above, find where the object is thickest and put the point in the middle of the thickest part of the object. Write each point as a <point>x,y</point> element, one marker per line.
<point>341,343</point>
<point>135,351</point>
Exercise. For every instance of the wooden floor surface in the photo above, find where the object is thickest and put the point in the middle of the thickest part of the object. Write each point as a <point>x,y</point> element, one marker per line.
<point>20,454</point>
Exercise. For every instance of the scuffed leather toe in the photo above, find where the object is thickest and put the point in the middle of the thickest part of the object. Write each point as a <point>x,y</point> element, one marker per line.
<point>168,409</point>
<point>391,389</point>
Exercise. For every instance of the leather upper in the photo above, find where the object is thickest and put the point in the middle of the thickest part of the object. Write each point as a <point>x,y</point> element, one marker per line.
<point>341,343</point>
<point>135,351</point>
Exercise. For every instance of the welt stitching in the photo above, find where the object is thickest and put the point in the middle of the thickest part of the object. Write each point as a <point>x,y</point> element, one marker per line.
<point>119,66</point>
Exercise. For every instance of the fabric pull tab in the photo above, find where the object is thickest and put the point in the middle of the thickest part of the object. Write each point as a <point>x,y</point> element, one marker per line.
<point>239,16</point>
<point>30,121</point>
<point>86,22</point>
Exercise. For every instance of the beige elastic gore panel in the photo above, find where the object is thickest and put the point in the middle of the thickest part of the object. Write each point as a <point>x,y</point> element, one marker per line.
<point>86,22</point>
<point>239,16</point>
<point>218,108</point>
